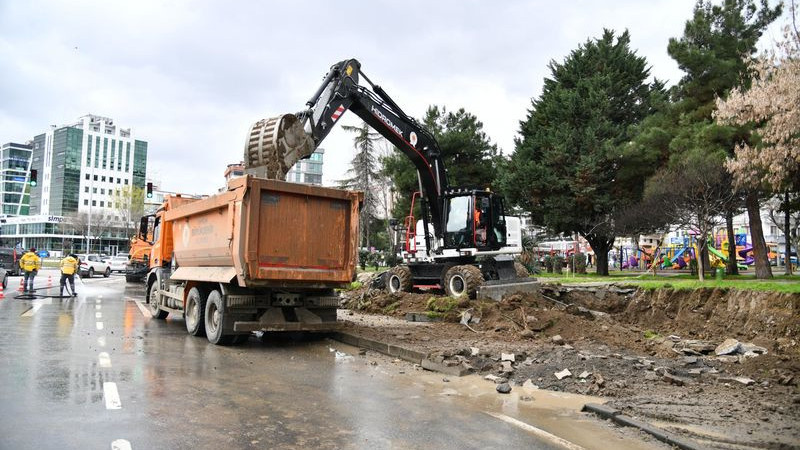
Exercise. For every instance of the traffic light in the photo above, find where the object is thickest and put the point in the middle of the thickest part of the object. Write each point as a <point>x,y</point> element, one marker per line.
<point>34,177</point>
<point>149,190</point>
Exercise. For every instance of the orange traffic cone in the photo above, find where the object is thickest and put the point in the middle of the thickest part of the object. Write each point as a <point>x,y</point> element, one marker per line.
<point>21,286</point>
<point>49,281</point>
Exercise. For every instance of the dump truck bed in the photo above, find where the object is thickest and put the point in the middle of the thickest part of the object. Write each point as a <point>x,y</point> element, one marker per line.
<point>268,233</point>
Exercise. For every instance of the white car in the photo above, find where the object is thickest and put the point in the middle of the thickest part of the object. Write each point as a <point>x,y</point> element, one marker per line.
<point>92,264</point>
<point>119,263</point>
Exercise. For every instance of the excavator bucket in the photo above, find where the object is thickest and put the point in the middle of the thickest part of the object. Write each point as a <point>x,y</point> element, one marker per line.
<point>274,145</point>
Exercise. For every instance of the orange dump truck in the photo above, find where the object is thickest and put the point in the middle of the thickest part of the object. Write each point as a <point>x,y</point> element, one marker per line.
<point>265,255</point>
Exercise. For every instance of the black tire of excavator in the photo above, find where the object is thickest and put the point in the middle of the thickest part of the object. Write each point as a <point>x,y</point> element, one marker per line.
<point>399,279</point>
<point>470,278</point>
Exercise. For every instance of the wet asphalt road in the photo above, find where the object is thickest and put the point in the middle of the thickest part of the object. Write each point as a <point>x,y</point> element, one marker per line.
<point>95,372</point>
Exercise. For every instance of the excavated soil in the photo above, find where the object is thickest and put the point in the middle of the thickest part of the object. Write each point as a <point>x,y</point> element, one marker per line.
<point>654,354</point>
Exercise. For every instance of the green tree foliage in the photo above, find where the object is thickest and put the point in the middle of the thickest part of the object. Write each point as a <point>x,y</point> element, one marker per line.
<point>468,154</point>
<point>713,52</point>
<point>569,166</point>
<point>364,172</point>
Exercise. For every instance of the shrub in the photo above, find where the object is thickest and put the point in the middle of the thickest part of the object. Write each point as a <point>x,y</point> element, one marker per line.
<point>558,264</point>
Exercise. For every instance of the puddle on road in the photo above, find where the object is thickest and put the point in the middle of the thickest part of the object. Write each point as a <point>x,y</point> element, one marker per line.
<point>558,413</point>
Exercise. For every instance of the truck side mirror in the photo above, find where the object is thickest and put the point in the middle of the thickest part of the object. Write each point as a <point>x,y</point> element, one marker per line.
<point>143,228</point>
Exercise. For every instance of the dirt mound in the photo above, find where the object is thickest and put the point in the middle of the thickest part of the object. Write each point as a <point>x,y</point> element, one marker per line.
<point>651,352</point>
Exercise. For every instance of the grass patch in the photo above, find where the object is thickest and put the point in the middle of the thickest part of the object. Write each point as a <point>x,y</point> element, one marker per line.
<point>650,334</point>
<point>353,286</point>
<point>442,304</point>
<point>753,285</point>
<point>391,308</point>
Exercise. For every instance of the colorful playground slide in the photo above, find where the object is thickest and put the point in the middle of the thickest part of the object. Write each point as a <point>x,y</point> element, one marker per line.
<point>722,257</point>
<point>748,258</point>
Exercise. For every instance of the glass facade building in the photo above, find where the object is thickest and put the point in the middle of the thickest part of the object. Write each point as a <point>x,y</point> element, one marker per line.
<point>14,169</point>
<point>86,170</point>
<point>308,171</point>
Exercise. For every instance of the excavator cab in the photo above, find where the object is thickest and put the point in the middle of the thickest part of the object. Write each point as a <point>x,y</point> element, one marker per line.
<point>474,219</point>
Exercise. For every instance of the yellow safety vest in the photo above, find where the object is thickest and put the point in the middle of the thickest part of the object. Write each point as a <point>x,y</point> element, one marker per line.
<point>30,261</point>
<point>69,265</point>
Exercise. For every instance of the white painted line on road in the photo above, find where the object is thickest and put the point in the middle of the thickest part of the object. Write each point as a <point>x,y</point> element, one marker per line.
<point>104,360</point>
<point>101,341</point>
<point>98,306</point>
<point>32,311</point>
<point>98,315</point>
<point>536,431</point>
<point>143,309</point>
<point>111,395</point>
<point>99,325</point>
<point>120,444</point>
<point>98,301</point>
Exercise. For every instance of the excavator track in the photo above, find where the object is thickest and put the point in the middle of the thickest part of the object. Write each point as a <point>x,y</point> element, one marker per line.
<point>274,145</point>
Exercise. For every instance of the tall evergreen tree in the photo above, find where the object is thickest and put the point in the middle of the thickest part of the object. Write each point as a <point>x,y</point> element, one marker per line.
<point>713,53</point>
<point>363,172</point>
<point>569,166</point>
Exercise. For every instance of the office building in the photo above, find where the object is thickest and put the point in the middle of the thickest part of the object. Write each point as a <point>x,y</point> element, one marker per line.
<point>14,170</point>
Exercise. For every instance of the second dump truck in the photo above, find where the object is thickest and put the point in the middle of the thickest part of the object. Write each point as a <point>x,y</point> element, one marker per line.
<point>264,255</point>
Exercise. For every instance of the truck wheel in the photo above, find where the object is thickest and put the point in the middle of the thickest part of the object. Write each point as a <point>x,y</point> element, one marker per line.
<point>462,281</point>
<point>399,279</point>
<point>152,297</point>
<point>90,274</point>
<point>214,320</point>
<point>107,273</point>
<point>521,271</point>
<point>195,312</point>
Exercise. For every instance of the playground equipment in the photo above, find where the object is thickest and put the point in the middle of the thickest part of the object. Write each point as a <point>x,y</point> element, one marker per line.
<point>721,259</point>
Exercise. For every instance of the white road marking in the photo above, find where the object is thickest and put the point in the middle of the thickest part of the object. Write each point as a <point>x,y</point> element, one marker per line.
<point>104,360</point>
<point>111,395</point>
<point>99,325</point>
<point>98,315</point>
<point>536,431</point>
<point>101,341</point>
<point>32,311</point>
<point>98,306</point>
<point>98,301</point>
<point>143,309</point>
<point>120,444</point>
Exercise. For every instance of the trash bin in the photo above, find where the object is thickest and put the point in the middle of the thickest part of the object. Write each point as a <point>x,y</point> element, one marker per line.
<point>720,273</point>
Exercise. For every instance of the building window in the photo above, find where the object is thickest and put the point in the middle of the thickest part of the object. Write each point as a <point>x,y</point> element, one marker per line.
<point>87,176</point>
<point>95,178</point>
<point>103,179</point>
<point>102,203</point>
<point>126,181</point>
<point>103,191</point>
<point>94,202</point>
<point>86,189</point>
<point>85,202</point>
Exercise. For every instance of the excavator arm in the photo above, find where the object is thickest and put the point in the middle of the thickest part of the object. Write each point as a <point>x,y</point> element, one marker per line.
<point>275,144</point>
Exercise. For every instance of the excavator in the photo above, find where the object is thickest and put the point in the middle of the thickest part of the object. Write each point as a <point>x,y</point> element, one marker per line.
<point>463,238</point>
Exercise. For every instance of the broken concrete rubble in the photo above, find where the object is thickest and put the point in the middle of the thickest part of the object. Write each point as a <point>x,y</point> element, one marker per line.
<point>563,374</point>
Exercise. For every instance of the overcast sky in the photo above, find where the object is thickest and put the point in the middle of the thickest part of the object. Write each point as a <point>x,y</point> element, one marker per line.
<point>190,77</point>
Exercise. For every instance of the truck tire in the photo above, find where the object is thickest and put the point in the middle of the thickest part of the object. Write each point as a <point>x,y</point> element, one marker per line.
<point>215,319</point>
<point>521,271</point>
<point>399,279</point>
<point>152,302</point>
<point>194,314</point>
<point>462,281</point>
<point>107,273</point>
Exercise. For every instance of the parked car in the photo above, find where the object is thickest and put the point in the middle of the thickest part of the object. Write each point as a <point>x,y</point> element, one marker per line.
<point>9,260</point>
<point>92,264</point>
<point>4,278</point>
<point>118,263</point>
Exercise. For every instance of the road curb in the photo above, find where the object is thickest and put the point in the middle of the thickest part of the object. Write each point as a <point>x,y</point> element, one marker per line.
<point>396,351</point>
<point>606,412</point>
